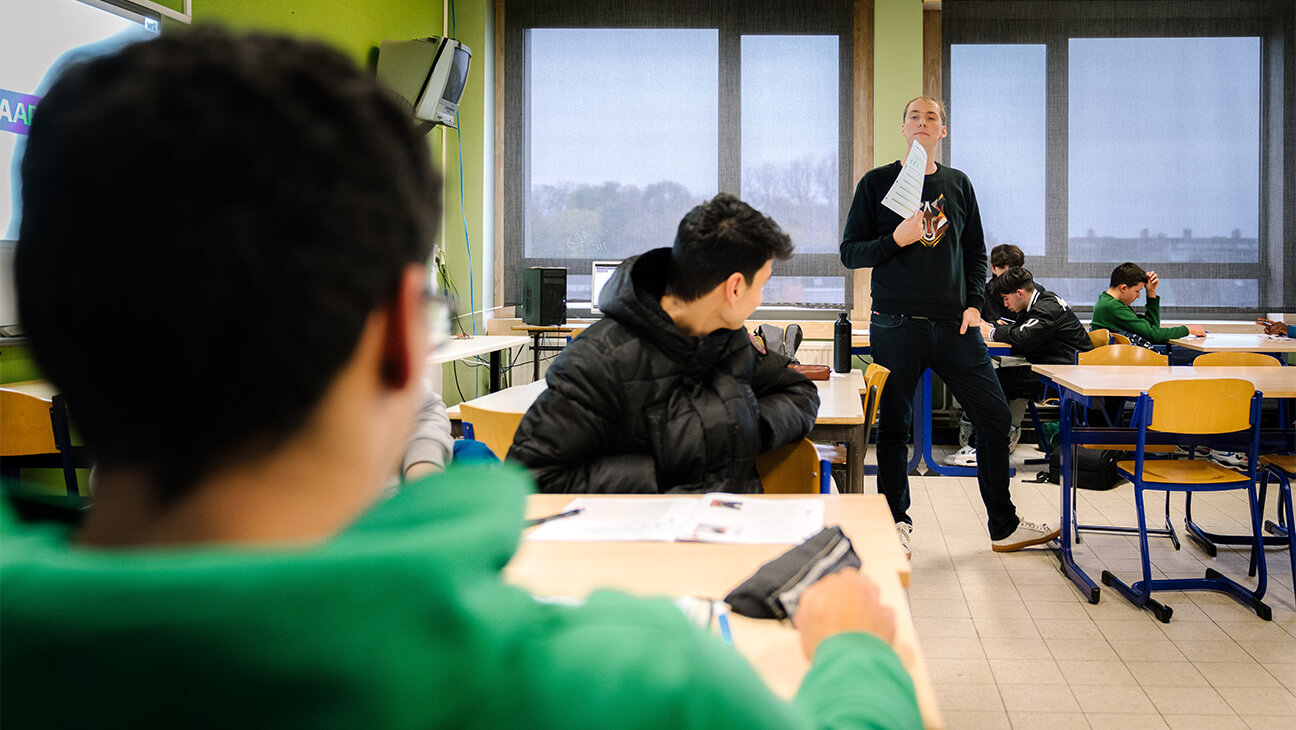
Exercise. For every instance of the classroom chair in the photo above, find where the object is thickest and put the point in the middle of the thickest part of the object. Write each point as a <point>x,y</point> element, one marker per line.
<point>1121,355</point>
<point>793,468</point>
<point>1283,468</point>
<point>875,377</point>
<point>1185,410</point>
<point>493,428</point>
<point>34,433</point>
<point>1277,466</point>
<point>1100,337</point>
<point>1119,339</point>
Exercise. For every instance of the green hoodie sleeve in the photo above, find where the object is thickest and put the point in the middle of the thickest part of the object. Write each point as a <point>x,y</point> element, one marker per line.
<point>1112,314</point>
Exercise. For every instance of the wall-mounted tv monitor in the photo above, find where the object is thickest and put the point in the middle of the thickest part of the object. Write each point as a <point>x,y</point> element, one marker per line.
<point>428,73</point>
<point>38,38</point>
<point>602,272</point>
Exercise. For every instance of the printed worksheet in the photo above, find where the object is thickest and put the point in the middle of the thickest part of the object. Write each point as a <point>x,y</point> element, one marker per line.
<point>905,195</point>
<point>715,517</point>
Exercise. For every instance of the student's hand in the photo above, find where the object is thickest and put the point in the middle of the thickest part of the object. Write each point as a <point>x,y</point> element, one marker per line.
<point>841,602</point>
<point>971,318</point>
<point>1272,328</point>
<point>1196,330</point>
<point>909,230</point>
<point>1153,282</point>
<point>987,331</point>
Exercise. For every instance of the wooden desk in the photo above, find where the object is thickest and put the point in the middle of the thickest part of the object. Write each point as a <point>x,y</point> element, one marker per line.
<point>1237,343</point>
<point>840,418</point>
<point>1080,384</point>
<point>42,389</point>
<point>711,571</point>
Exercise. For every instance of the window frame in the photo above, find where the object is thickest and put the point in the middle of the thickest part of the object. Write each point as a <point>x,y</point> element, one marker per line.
<point>733,19</point>
<point>1054,24</point>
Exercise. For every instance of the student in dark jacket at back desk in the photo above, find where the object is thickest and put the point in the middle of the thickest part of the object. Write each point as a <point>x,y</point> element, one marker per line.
<point>668,393</point>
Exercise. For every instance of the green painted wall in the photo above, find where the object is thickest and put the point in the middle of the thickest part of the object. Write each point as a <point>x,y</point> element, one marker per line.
<point>897,72</point>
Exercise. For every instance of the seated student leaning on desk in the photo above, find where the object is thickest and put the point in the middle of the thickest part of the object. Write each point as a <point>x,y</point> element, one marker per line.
<point>240,566</point>
<point>668,393</point>
<point>1115,308</point>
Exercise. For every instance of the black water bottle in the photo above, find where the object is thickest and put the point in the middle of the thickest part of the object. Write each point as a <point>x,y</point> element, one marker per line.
<point>842,344</point>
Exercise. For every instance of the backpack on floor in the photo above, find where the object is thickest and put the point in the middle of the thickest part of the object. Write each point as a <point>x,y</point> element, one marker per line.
<point>1094,469</point>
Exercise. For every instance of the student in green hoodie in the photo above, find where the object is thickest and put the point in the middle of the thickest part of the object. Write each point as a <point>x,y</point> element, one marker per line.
<point>241,566</point>
<point>1115,308</point>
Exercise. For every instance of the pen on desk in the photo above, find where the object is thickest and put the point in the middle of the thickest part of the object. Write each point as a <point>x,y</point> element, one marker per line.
<point>548,518</point>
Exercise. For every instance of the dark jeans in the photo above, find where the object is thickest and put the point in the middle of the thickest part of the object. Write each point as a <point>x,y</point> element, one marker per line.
<point>908,346</point>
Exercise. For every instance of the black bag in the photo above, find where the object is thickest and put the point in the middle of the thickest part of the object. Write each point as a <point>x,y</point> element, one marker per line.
<point>775,589</point>
<point>1094,469</point>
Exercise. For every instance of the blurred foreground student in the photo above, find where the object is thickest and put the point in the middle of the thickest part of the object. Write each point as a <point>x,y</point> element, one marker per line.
<point>239,567</point>
<point>668,393</point>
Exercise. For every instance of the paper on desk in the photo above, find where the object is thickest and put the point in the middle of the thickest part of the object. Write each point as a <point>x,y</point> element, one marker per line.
<point>715,517</point>
<point>905,195</point>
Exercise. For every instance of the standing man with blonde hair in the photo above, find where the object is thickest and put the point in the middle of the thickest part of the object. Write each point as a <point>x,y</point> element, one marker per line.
<point>927,302</point>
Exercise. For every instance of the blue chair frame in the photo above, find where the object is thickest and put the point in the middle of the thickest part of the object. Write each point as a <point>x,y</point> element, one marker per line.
<point>1140,592</point>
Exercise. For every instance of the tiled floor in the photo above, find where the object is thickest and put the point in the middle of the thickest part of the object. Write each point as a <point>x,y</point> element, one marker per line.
<point>1011,643</point>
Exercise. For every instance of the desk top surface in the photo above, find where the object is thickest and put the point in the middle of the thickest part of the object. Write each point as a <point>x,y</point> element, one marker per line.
<point>39,388</point>
<point>1237,343</point>
<point>710,570</point>
<point>458,349</point>
<point>839,398</point>
<point>1130,380</point>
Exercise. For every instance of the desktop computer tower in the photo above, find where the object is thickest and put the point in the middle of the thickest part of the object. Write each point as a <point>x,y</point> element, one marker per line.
<point>544,295</point>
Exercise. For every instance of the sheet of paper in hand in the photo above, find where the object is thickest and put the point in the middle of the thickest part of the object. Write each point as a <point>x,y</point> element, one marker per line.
<point>905,195</point>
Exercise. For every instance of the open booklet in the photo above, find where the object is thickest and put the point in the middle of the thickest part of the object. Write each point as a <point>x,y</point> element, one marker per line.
<point>714,517</point>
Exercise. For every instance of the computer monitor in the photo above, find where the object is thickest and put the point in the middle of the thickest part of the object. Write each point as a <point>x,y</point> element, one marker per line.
<point>602,272</point>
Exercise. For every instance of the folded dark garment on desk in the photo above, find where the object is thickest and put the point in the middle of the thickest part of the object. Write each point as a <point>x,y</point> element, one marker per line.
<point>774,591</point>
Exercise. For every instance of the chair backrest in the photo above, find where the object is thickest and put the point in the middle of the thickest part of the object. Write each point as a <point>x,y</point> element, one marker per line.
<point>493,428</point>
<point>1222,405</point>
<point>1236,359</point>
<point>1121,355</point>
<point>1100,337</point>
<point>874,376</point>
<point>25,426</point>
<point>1119,339</point>
<point>790,469</point>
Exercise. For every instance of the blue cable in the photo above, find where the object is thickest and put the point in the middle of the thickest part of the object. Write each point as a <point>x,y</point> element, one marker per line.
<point>463,215</point>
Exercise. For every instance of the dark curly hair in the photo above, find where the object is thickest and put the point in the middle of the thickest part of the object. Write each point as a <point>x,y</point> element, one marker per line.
<point>208,221</point>
<point>717,238</point>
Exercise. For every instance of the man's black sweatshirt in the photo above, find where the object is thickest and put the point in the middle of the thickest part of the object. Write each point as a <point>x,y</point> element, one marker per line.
<point>938,276</point>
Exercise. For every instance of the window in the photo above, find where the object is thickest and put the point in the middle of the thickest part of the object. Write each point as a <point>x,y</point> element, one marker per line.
<point>1098,132</point>
<point>634,112</point>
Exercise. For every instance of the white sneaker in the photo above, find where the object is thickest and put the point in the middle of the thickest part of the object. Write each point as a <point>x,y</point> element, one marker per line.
<point>1231,459</point>
<point>1026,534</point>
<point>1014,437</point>
<point>903,531</point>
<point>965,456</point>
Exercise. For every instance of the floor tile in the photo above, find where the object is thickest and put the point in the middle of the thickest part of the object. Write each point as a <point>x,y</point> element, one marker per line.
<point>969,697</point>
<point>1147,650</point>
<point>1212,651</point>
<point>1026,671</point>
<point>1260,701</point>
<point>1024,647</point>
<point>1050,720</point>
<point>1081,649</point>
<point>1167,674</point>
<point>952,647</point>
<point>1110,721</point>
<point>963,671</point>
<point>1204,722</point>
<point>976,720</point>
<point>1188,701</point>
<point>1056,628</point>
<point>1050,698</point>
<point>1128,699</point>
<point>1088,672</point>
<point>996,627</point>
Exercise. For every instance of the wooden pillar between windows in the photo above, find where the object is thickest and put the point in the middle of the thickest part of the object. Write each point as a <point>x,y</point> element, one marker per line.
<point>932,55</point>
<point>862,154</point>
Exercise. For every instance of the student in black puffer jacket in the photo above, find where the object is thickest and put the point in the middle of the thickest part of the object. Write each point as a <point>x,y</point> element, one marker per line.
<point>668,393</point>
